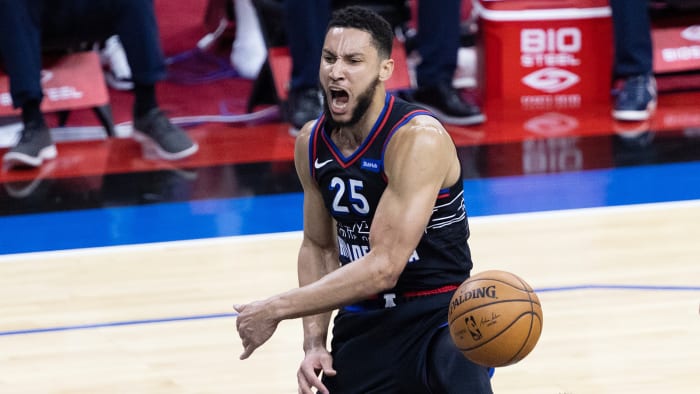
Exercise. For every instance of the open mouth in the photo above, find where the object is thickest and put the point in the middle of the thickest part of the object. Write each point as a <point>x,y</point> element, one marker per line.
<point>339,98</point>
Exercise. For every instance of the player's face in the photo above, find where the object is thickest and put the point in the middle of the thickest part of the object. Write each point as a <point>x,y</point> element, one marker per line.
<point>350,72</point>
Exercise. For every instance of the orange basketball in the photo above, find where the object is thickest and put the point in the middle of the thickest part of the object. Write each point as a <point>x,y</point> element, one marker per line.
<point>495,318</point>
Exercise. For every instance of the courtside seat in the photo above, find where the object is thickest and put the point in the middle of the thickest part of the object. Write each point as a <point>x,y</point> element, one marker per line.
<point>72,79</point>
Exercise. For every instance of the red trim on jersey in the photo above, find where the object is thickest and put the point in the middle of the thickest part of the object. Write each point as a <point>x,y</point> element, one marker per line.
<point>421,293</point>
<point>439,290</point>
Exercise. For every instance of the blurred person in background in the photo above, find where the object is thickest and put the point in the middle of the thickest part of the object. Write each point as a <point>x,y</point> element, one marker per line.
<point>633,62</point>
<point>23,25</point>
<point>438,46</point>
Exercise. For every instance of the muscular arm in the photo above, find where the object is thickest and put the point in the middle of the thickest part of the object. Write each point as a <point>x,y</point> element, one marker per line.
<point>419,161</point>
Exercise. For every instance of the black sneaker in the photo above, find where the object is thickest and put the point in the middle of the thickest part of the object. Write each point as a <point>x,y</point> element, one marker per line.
<point>636,100</point>
<point>35,145</point>
<point>445,102</point>
<point>156,133</point>
<point>303,105</point>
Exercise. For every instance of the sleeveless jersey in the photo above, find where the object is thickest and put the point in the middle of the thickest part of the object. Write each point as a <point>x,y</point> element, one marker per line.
<point>352,187</point>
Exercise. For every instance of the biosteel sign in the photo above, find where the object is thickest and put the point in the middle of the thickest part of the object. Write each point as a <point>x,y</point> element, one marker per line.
<point>564,55</point>
<point>676,49</point>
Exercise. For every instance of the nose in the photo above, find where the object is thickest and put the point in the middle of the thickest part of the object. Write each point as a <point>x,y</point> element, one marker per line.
<point>336,70</point>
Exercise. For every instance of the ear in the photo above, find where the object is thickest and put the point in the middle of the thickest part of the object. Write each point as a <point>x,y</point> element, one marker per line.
<point>386,69</point>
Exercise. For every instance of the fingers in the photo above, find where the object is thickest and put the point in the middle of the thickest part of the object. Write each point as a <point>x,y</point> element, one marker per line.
<point>245,354</point>
<point>304,387</point>
<point>253,327</point>
<point>327,365</point>
<point>247,346</point>
<point>247,351</point>
<point>308,379</point>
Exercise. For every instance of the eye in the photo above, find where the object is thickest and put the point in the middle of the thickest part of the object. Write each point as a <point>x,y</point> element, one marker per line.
<point>328,59</point>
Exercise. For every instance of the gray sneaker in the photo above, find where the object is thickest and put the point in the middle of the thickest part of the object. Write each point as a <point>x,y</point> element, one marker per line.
<point>35,145</point>
<point>156,133</point>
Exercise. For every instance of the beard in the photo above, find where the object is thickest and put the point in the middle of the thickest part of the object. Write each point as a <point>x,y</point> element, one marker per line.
<point>363,102</point>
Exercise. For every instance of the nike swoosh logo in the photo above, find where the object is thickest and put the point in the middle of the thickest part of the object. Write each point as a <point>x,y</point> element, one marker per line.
<point>318,165</point>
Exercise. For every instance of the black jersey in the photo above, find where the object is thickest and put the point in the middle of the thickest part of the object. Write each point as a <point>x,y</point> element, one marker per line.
<point>352,186</point>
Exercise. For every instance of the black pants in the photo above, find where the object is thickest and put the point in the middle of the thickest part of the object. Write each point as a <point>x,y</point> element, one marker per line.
<point>438,39</point>
<point>25,24</point>
<point>406,349</point>
<point>633,47</point>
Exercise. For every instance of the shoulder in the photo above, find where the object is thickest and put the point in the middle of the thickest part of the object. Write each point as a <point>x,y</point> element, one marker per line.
<point>301,150</point>
<point>422,136</point>
<point>423,128</point>
<point>303,139</point>
<point>304,134</point>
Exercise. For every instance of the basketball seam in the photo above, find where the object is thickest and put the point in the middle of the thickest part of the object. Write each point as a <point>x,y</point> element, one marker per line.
<point>526,287</point>
<point>529,332</point>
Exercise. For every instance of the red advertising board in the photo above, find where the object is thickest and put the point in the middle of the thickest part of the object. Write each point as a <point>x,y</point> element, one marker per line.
<point>545,55</point>
<point>676,48</point>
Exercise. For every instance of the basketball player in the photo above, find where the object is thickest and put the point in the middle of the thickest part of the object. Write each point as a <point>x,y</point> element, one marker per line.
<point>383,175</point>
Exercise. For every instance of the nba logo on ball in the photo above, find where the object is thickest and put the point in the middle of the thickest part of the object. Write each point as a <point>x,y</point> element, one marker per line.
<point>495,318</point>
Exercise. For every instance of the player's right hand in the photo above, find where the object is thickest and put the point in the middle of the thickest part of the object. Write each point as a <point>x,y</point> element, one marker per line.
<point>317,360</point>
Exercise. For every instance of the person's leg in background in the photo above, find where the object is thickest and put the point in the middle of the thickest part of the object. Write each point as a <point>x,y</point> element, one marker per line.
<point>633,60</point>
<point>305,24</point>
<point>134,21</point>
<point>438,45</point>
<point>248,51</point>
<point>117,70</point>
<point>135,24</point>
<point>20,50</point>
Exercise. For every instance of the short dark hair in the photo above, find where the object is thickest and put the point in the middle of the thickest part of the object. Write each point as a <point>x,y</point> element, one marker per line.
<point>364,19</point>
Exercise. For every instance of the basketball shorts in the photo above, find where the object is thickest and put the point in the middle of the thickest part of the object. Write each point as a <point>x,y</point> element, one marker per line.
<point>402,349</point>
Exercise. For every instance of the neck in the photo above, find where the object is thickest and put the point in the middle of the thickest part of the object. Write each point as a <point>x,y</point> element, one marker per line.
<point>357,132</point>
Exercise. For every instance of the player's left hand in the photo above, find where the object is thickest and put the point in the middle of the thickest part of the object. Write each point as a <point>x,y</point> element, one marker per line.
<point>255,326</point>
<point>315,361</point>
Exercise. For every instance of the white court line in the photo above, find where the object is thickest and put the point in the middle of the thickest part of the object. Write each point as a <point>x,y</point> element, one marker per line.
<point>585,211</point>
<point>155,246</point>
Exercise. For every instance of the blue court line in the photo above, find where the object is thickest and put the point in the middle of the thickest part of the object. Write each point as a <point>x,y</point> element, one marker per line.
<point>227,315</point>
<point>116,324</point>
<point>618,287</point>
<point>200,219</point>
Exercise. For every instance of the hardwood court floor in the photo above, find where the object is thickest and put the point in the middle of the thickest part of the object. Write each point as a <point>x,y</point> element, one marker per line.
<point>619,288</point>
